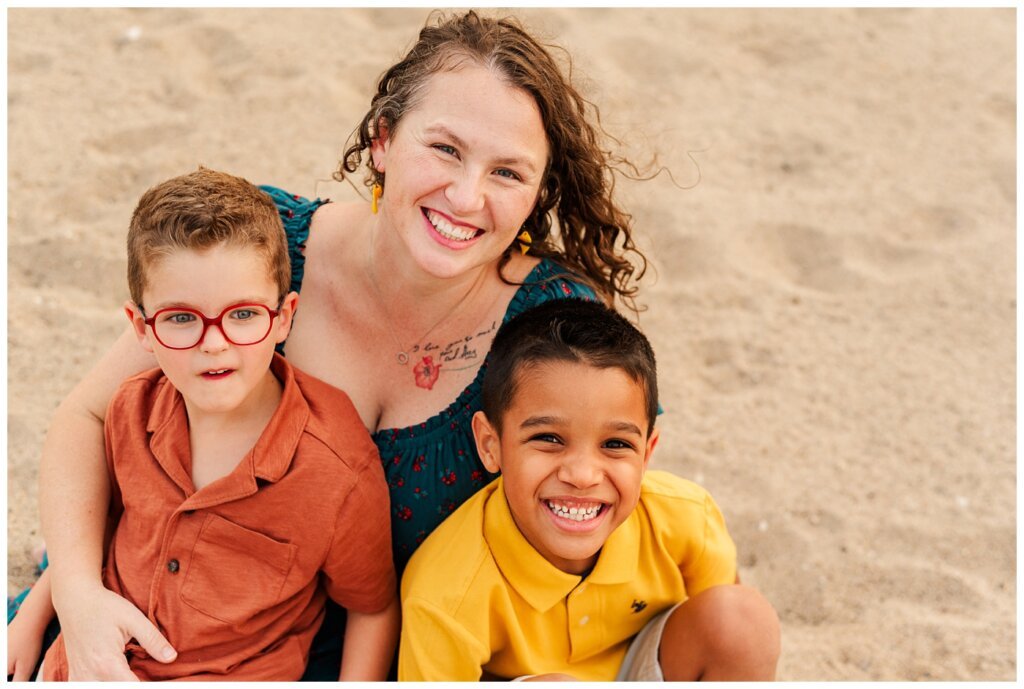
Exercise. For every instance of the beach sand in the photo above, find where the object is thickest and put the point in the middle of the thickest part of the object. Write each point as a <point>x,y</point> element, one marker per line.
<point>832,293</point>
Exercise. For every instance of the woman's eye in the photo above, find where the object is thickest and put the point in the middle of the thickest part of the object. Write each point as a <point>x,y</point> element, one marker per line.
<point>445,148</point>
<point>508,174</point>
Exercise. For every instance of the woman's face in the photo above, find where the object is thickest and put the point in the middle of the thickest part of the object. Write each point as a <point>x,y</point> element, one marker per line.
<point>463,169</point>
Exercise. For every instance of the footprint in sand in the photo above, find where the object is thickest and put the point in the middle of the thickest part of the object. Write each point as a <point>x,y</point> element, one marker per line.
<point>779,554</point>
<point>52,263</point>
<point>137,139</point>
<point>812,258</point>
<point>731,365</point>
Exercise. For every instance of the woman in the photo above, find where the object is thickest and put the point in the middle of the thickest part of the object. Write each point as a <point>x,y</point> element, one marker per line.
<point>471,143</point>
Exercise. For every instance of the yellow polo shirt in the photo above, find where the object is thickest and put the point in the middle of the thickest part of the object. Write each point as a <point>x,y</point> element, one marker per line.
<point>479,601</point>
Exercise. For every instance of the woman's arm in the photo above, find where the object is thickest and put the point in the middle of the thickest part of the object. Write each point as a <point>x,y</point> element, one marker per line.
<point>74,496</point>
<point>370,641</point>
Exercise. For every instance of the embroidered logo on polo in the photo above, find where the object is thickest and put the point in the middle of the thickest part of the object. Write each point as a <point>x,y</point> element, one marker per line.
<point>638,605</point>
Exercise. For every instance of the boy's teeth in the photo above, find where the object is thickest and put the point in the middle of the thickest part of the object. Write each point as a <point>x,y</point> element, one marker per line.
<point>579,514</point>
<point>446,229</point>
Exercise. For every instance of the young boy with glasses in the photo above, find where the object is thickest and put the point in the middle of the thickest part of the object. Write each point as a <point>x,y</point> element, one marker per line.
<point>243,492</point>
<point>577,563</point>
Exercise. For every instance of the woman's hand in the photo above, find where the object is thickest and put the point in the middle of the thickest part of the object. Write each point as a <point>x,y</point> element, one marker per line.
<point>96,627</point>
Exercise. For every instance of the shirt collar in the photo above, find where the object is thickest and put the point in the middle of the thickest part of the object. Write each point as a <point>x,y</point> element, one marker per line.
<point>536,580</point>
<point>268,460</point>
<point>539,582</point>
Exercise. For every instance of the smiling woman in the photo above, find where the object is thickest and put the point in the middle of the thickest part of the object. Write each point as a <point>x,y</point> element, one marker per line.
<point>477,147</point>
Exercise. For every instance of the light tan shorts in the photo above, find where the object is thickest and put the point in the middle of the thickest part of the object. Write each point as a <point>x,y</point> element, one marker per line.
<point>641,661</point>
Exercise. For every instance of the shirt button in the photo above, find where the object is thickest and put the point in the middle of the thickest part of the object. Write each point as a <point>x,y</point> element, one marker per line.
<point>584,620</point>
<point>172,566</point>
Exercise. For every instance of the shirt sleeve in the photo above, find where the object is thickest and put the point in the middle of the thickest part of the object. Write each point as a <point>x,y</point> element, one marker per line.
<point>435,647</point>
<point>359,570</point>
<point>716,562</point>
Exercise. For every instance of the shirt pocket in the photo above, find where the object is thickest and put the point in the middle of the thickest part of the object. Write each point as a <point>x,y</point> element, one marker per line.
<point>235,573</point>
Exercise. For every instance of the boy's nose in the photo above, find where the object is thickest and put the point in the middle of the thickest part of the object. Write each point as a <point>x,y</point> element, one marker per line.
<point>579,470</point>
<point>214,339</point>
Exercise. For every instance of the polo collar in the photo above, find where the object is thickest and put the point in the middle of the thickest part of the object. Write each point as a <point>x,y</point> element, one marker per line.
<point>268,460</point>
<point>536,580</point>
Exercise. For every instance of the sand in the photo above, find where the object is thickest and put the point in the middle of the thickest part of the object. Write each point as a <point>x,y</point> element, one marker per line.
<point>833,304</point>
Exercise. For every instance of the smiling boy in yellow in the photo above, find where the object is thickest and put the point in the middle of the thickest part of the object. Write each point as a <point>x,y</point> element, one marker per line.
<point>576,563</point>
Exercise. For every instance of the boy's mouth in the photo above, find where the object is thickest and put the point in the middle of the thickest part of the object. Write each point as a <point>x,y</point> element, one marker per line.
<point>217,373</point>
<point>449,230</point>
<point>576,510</point>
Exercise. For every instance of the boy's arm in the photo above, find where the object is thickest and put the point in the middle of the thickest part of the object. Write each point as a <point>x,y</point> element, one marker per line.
<point>716,564</point>
<point>434,647</point>
<point>25,632</point>
<point>370,641</point>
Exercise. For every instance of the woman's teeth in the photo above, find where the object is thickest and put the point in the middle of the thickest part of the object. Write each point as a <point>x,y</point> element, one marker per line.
<point>449,231</point>
<point>578,514</point>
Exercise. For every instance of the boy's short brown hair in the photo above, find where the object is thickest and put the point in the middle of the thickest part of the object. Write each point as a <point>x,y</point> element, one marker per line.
<point>569,330</point>
<point>198,211</point>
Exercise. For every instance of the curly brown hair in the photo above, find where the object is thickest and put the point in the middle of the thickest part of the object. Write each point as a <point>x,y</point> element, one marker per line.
<point>594,235</point>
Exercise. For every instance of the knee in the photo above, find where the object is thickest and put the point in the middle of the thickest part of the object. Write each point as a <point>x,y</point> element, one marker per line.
<point>742,618</point>
<point>737,626</point>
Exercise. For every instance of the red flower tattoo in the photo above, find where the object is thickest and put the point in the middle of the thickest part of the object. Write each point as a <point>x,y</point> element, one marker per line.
<point>426,372</point>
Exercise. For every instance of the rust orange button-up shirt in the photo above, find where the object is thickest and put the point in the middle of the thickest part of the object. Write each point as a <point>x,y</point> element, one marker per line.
<point>235,575</point>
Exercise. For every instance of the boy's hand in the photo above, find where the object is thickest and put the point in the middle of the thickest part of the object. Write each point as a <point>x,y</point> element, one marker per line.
<point>96,629</point>
<point>24,643</point>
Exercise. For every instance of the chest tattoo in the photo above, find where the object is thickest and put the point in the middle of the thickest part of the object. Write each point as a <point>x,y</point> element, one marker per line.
<point>456,355</point>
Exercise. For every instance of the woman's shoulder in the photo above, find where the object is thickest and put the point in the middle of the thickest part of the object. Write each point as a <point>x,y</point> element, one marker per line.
<point>547,280</point>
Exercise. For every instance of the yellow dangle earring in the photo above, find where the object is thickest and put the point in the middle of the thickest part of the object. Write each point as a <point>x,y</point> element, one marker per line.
<point>524,241</point>
<point>376,194</point>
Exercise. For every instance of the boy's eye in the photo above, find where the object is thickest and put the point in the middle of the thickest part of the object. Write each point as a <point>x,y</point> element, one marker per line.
<point>179,317</point>
<point>617,444</point>
<point>546,438</point>
<point>243,314</point>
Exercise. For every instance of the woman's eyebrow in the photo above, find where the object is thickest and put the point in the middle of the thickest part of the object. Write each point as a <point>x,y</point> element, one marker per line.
<point>458,141</point>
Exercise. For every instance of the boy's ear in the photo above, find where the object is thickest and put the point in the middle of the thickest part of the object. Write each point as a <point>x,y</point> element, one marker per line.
<point>138,324</point>
<point>651,442</point>
<point>379,145</point>
<point>286,316</point>
<point>488,444</point>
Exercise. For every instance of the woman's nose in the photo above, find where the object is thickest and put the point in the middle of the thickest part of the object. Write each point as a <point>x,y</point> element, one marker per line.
<point>465,194</point>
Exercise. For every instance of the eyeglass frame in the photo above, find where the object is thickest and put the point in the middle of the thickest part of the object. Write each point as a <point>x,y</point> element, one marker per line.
<point>207,322</point>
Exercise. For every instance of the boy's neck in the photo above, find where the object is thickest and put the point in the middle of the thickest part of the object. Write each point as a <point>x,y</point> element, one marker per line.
<point>219,440</point>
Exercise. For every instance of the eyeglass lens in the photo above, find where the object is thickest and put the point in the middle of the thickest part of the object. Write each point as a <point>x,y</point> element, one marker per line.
<point>184,328</point>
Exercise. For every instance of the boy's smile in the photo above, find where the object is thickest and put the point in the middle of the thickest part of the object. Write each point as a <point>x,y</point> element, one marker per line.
<point>572,451</point>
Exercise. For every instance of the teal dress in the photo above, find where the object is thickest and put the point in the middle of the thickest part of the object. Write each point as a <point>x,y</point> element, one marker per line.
<point>433,466</point>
